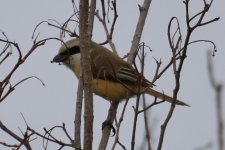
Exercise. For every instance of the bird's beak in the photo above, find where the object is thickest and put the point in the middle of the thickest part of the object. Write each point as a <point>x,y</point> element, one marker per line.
<point>59,58</point>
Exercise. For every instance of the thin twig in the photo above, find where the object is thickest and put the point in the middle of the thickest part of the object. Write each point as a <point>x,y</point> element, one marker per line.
<point>217,87</point>
<point>52,139</point>
<point>21,60</point>
<point>118,124</point>
<point>136,109</point>
<point>23,141</point>
<point>147,129</point>
<point>102,19</point>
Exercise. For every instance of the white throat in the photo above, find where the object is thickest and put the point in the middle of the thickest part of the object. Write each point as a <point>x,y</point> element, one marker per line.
<point>74,63</point>
<point>75,59</point>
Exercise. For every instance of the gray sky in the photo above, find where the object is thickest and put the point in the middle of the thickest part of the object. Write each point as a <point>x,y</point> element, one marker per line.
<point>188,129</point>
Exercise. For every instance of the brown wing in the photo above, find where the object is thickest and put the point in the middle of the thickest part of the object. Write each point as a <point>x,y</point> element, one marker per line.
<point>108,66</point>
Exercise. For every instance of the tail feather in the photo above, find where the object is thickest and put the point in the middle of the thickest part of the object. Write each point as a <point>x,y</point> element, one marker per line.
<point>163,96</point>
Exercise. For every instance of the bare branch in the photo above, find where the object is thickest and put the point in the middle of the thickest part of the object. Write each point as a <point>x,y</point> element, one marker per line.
<point>21,60</point>
<point>109,32</point>
<point>178,68</point>
<point>12,88</point>
<point>49,137</point>
<point>217,87</point>
<point>147,129</point>
<point>136,109</point>
<point>9,145</point>
<point>118,124</point>
<point>92,16</point>
<point>85,39</point>
<point>23,141</point>
<point>139,29</point>
<point>106,131</point>
<point>77,123</point>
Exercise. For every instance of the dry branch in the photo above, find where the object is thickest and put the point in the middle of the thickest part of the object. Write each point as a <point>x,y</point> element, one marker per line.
<point>217,87</point>
<point>85,39</point>
<point>22,140</point>
<point>139,29</point>
<point>178,67</point>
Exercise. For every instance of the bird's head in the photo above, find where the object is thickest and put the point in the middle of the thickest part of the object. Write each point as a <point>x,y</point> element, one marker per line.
<point>69,55</point>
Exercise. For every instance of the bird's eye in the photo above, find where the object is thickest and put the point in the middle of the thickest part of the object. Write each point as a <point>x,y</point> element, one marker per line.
<point>74,50</point>
<point>71,51</point>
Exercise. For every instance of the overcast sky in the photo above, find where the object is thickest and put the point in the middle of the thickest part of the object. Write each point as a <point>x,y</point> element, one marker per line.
<point>189,128</point>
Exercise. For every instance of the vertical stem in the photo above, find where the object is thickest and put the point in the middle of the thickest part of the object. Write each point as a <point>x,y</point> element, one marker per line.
<point>218,90</point>
<point>135,122</point>
<point>86,73</point>
<point>91,17</point>
<point>138,95</point>
<point>147,130</point>
<point>77,122</point>
<point>106,132</point>
<point>220,128</point>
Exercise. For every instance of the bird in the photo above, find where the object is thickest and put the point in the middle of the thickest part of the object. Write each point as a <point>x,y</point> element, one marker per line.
<point>113,78</point>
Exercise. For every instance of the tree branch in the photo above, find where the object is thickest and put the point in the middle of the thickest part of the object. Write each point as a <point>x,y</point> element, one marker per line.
<point>139,29</point>
<point>85,40</point>
<point>217,87</point>
<point>178,67</point>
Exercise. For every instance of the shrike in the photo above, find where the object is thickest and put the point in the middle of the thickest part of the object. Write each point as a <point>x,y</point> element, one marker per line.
<point>113,78</point>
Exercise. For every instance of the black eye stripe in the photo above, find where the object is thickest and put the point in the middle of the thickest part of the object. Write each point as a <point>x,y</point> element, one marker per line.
<point>71,51</point>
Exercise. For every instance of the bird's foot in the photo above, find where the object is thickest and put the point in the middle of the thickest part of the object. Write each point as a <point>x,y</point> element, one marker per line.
<point>109,124</point>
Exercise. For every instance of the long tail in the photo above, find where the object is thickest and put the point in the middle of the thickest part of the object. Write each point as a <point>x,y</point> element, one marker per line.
<point>163,96</point>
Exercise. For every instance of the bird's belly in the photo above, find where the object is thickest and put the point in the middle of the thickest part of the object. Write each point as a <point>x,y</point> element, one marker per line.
<point>110,90</point>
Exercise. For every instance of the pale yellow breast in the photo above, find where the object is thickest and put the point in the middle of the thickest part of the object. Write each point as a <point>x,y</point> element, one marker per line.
<point>110,90</point>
